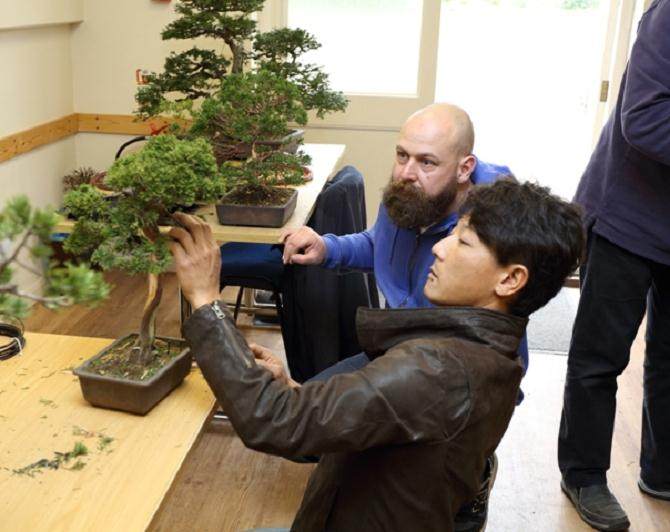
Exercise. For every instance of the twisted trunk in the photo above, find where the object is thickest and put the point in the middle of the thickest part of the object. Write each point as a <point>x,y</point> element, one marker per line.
<point>142,351</point>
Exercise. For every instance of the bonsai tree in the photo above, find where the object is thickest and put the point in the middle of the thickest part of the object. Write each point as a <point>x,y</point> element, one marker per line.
<point>198,73</point>
<point>124,234</point>
<point>24,229</point>
<point>248,109</point>
<point>77,177</point>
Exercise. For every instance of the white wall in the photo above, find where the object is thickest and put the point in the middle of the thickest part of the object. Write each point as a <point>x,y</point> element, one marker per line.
<point>36,88</point>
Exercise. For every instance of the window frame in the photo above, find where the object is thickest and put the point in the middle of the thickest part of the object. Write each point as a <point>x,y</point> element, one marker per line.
<point>377,112</point>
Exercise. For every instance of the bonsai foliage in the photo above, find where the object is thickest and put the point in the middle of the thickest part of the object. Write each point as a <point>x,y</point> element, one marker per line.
<point>77,177</point>
<point>250,108</point>
<point>279,51</point>
<point>198,73</point>
<point>124,233</point>
<point>26,229</point>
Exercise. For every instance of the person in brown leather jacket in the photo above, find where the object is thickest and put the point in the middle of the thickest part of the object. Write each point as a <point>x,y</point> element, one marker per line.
<point>404,440</point>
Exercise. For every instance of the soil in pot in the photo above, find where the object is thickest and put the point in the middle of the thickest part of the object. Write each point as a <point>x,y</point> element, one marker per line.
<point>117,361</point>
<point>111,380</point>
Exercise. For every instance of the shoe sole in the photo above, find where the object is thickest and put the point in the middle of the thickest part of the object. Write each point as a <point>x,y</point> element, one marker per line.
<point>644,488</point>
<point>617,527</point>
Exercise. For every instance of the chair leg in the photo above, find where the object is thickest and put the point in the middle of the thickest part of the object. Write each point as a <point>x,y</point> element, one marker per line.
<point>279,307</point>
<point>238,302</point>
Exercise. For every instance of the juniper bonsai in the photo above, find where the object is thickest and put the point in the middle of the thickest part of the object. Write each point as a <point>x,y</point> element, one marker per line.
<point>27,230</point>
<point>124,234</point>
<point>198,73</point>
<point>248,109</point>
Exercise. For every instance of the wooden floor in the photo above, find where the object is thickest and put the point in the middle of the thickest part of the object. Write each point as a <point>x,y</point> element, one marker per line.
<point>226,487</point>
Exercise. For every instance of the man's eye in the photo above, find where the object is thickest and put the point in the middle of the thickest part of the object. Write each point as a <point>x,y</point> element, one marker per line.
<point>427,162</point>
<point>401,156</point>
<point>461,241</point>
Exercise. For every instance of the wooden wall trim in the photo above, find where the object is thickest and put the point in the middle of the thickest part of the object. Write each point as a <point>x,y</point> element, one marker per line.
<point>49,132</point>
<point>37,136</point>
<point>118,124</point>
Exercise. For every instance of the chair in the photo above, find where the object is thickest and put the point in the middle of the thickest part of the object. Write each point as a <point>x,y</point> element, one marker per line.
<point>260,266</point>
<point>257,266</point>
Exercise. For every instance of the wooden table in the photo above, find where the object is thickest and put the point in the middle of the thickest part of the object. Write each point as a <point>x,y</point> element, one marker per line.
<point>121,485</point>
<point>326,159</point>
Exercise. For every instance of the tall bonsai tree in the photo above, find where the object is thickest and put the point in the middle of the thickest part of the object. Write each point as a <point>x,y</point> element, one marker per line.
<point>198,73</point>
<point>124,233</point>
<point>25,233</point>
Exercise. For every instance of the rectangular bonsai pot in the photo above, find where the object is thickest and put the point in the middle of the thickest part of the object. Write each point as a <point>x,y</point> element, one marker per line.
<point>257,215</point>
<point>137,397</point>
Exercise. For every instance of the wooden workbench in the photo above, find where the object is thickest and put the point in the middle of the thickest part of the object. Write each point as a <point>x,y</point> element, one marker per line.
<point>121,485</point>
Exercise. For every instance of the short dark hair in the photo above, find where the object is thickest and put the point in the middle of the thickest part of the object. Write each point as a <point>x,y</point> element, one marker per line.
<point>524,223</point>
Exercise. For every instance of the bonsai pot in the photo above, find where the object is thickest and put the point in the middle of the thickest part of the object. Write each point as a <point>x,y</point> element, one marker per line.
<point>229,149</point>
<point>137,397</point>
<point>257,215</point>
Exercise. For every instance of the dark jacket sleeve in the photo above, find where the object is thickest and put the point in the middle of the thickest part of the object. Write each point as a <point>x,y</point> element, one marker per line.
<point>396,399</point>
<point>645,111</point>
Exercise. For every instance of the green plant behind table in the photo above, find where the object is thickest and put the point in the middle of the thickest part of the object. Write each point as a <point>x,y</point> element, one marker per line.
<point>198,73</point>
<point>124,233</point>
<point>25,233</point>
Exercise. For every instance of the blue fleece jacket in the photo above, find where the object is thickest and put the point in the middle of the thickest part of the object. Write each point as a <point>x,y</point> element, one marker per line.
<point>401,258</point>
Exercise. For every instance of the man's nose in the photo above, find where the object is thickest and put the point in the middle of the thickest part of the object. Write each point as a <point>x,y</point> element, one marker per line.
<point>408,171</point>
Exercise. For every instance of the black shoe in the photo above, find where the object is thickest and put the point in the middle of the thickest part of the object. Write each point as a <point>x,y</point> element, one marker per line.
<point>472,516</point>
<point>664,495</point>
<point>598,507</point>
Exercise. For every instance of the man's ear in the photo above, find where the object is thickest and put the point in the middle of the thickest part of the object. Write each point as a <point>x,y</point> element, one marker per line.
<point>512,282</point>
<point>465,168</point>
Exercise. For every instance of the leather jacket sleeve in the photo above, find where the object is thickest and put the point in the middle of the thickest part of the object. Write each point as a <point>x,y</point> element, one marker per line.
<point>396,399</point>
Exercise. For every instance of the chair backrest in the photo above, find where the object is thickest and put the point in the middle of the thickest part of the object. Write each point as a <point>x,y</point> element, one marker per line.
<point>320,305</point>
<point>340,207</point>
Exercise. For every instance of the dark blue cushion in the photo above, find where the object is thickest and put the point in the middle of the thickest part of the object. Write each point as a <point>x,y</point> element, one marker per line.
<point>240,259</point>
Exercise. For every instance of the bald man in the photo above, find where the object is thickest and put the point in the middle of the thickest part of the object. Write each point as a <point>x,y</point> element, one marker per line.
<point>433,171</point>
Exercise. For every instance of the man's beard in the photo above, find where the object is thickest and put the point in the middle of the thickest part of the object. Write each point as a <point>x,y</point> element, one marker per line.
<point>409,207</point>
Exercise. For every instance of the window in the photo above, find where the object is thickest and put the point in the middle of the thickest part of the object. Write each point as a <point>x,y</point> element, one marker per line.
<point>368,46</point>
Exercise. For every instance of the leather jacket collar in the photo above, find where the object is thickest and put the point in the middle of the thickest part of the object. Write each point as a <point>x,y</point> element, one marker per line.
<point>381,329</point>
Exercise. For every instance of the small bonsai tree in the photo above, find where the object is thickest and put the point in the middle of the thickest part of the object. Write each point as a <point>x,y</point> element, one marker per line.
<point>248,109</point>
<point>124,234</point>
<point>198,73</point>
<point>24,228</point>
<point>80,176</point>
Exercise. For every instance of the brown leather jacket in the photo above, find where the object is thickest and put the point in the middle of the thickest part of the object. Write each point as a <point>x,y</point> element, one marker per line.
<point>404,440</point>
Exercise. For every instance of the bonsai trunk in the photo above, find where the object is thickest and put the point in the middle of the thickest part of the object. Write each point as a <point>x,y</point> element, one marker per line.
<point>142,351</point>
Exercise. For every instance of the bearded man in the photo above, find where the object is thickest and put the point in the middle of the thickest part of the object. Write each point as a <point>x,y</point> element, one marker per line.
<point>433,172</point>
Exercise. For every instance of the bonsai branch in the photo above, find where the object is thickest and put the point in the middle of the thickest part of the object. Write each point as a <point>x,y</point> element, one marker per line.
<point>46,301</point>
<point>27,268</point>
<point>12,257</point>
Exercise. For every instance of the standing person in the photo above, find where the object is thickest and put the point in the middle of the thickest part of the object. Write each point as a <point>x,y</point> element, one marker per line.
<point>433,172</point>
<point>625,192</point>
